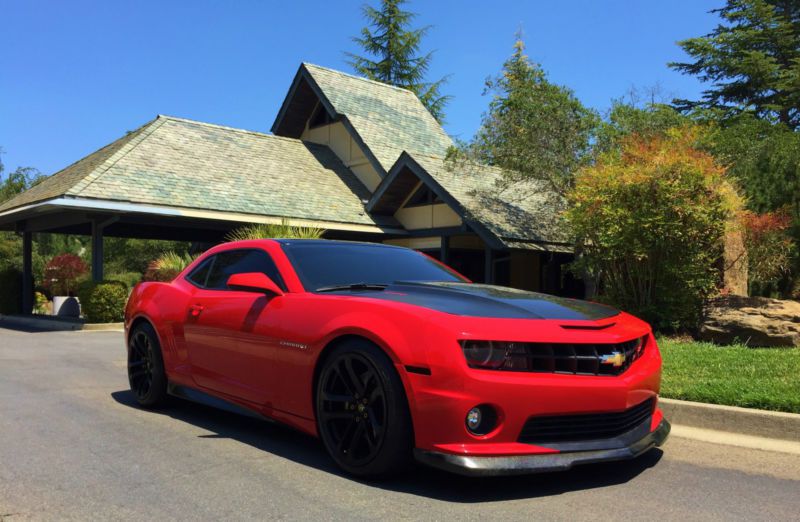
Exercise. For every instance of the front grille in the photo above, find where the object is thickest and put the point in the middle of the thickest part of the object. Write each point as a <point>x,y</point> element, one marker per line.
<point>575,359</point>
<point>594,426</point>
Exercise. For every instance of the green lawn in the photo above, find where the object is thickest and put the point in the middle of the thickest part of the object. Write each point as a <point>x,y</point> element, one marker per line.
<point>766,378</point>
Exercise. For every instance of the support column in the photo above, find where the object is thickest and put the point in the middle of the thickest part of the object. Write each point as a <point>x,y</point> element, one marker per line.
<point>27,273</point>
<point>488,276</point>
<point>97,252</point>
<point>444,254</point>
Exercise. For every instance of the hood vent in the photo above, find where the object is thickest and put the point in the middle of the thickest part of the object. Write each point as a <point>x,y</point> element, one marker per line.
<point>586,327</point>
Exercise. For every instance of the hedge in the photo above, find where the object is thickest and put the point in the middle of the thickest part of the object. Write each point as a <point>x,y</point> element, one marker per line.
<point>103,302</point>
<point>10,291</point>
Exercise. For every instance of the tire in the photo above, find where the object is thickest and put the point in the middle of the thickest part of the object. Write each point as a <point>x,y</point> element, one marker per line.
<point>146,374</point>
<point>362,411</point>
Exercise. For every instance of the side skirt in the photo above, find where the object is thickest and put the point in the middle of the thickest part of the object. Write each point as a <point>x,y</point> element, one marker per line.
<point>206,399</point>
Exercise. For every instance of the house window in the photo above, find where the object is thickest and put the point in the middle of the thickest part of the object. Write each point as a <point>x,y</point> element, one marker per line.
<point>423,196</point>
<point>320,117</point>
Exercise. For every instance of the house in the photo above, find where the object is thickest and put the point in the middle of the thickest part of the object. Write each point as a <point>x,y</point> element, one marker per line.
<point>362,159</point>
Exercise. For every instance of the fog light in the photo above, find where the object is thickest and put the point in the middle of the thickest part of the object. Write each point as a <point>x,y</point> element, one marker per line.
<point>481,419</point>
<point>474,419</point>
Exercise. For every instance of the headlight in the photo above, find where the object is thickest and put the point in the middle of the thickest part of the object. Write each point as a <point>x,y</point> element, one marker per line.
<point>495,355</point>
<point>484,354</point>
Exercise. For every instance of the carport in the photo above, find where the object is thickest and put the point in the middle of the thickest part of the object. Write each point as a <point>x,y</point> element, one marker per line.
<point>175,179</point>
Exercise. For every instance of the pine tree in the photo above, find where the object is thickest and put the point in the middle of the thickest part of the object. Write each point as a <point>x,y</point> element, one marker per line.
<point>395,49</point>
<point>752,60</point>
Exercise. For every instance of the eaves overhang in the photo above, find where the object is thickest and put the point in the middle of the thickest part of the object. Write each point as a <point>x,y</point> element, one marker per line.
<point>121,207</point>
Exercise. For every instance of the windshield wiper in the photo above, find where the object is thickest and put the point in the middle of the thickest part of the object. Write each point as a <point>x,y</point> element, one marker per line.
<point>352,286</point>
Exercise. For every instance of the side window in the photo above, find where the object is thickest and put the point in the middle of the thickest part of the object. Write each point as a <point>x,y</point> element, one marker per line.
<point>199,275</point>
<point>238,262</point>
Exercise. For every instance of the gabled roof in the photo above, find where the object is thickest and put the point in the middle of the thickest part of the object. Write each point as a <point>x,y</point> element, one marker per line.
<point>172,162</point>
<point>386,119</point>
<point>527,215</point>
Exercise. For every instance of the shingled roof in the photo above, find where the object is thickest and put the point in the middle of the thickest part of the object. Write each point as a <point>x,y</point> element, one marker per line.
<point>526,215</point>
<point>174,162</point>
<point>387,119</point>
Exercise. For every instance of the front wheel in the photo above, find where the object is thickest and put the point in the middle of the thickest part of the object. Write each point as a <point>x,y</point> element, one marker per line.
<point>146,373</point>
<point>362,412</point>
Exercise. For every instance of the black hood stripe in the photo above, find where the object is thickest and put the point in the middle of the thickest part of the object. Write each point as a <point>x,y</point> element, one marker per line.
<point>478,300</point>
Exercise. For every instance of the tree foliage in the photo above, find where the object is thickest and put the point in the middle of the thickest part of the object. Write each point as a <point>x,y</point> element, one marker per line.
<point>393,54</point>
<point>627,117</point>
<point>769,248</point>
<point>124,255</point>
<point>533,129</point>
<point>62,274</point>
<point>765,158</point>
<point>18,181</point>
<point>650,219</point>
<point>752,60</point>
<point>11,184</point>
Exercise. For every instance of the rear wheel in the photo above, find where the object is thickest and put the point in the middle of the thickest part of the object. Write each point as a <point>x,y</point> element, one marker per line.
<point>362,413</point>
<point>146,367</point>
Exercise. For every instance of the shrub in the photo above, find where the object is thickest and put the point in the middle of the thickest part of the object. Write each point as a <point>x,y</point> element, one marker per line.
<point>83,290</point>
<point>62,274</point>
<point>10,291</point>
<point>285,230</point>
<point>129,278</point>
<point>769,248</point>
<point>649,220</point>
<point>167,267</point>
<point>40,303</point>
<point>103,302</point>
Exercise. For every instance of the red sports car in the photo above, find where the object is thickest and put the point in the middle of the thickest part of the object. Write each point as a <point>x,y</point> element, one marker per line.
<point>384,353</point>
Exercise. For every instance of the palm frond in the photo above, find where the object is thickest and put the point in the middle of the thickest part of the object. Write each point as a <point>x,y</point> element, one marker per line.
<point>284,230</point>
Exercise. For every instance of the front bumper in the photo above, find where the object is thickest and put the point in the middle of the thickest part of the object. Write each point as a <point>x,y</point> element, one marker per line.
<point>524,464</point>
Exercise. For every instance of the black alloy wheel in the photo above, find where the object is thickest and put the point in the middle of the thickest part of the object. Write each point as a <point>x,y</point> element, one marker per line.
<point>146,374</point>
<point>362,414</point>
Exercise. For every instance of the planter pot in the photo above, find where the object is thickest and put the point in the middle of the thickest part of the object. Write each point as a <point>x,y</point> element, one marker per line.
<point>66,306</point>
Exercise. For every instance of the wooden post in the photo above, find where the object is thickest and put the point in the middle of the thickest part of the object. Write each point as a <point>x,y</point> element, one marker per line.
<point>27,273</point>
<point>97,252</point>
<point>488,276</point>
<point>444,254</point>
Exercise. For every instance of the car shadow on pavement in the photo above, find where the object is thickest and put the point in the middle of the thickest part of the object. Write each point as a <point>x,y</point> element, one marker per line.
<point>25,328</point>
<point>421,481</point>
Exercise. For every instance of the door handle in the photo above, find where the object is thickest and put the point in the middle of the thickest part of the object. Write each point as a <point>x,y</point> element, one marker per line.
<point>195,309</point>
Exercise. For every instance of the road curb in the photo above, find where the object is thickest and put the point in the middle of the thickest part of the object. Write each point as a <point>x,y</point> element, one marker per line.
<point>101,327</point>
<point>733,419</point>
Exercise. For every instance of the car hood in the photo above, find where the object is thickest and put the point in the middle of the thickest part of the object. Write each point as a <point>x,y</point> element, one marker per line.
<point>478,300</point>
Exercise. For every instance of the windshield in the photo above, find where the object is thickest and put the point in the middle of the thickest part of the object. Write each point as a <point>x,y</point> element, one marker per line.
<point>328,264</point>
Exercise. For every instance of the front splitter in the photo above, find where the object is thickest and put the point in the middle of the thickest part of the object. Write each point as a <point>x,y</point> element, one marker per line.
<point>525,464</point>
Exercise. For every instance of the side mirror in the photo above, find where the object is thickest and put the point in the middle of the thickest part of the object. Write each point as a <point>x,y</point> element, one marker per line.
<point>254,282</point>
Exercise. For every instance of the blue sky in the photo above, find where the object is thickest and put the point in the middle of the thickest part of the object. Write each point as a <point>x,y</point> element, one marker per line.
<point>76,75</point>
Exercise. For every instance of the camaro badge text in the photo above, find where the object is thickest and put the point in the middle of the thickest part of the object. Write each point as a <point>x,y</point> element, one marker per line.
<point>615,359</point>
<point>291,344</point>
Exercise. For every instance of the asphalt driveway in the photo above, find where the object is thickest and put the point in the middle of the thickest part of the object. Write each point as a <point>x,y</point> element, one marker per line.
<point>74,446</point>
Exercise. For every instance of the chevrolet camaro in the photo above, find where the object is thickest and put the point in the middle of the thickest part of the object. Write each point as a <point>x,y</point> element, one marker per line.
<point>388,356</point>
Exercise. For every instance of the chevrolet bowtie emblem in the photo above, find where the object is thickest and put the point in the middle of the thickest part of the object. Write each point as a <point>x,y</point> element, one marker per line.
<point>615,359</point>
